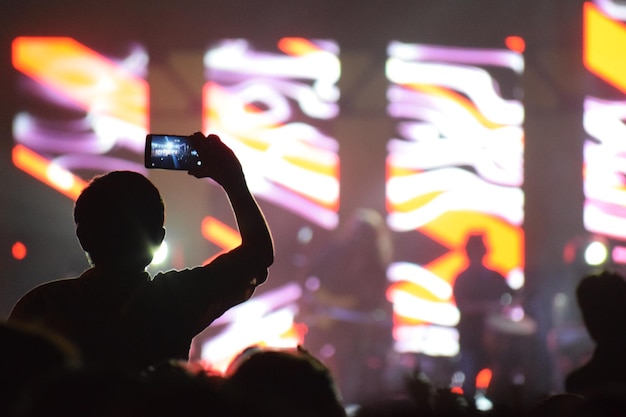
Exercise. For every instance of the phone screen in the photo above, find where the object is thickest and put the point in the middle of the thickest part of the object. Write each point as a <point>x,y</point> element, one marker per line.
<point>171,152</point>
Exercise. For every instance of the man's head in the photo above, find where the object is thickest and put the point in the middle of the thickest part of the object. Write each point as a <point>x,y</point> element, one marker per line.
<point>475,248</point>
<point>119,220</point>
<point>602,301</point>
<point>282,382</point>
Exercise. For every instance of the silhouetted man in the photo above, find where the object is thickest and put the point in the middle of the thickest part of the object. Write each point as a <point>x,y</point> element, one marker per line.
<point>115,312</point>
<point>602,302</point>
<point>478,291</point>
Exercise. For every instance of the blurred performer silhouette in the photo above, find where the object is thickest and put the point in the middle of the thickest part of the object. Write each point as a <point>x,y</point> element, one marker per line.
<point>347,313</point>
<point>115,312</point>
<point>479,293</point>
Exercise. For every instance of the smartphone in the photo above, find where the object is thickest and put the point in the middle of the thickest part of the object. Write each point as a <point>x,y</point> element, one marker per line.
<point>171,152</point>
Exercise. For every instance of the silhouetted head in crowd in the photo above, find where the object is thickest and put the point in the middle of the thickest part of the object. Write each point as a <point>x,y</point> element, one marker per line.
<point>88,391</point>
<point>179,388</point>
<point>560,405</point>
<point>119,220</point>
<point>28,355</point>
<point>606,401</point>
<point>281,383</point>
<point>602,302</point>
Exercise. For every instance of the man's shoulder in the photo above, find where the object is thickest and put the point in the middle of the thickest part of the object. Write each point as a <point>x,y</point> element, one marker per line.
<point>52,288</point>
<point>591,376</point>
<point>37,300</point>
<point>163,276</point>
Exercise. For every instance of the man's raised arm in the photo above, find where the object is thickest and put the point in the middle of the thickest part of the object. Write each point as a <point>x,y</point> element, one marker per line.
<point>220,163</point>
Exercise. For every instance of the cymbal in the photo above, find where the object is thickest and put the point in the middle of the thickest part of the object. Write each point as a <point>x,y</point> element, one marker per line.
<point>507,324</point>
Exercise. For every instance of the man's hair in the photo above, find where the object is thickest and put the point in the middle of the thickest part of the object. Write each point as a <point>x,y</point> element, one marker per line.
<point>118,216</point>
<point>282,382</point>
<point>602,301</point>
<point>475,247</point>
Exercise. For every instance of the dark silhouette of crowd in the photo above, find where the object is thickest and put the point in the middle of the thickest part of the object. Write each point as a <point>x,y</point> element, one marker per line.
<point>602,301</point>
<point>43,375</point>
<point>114,342</point>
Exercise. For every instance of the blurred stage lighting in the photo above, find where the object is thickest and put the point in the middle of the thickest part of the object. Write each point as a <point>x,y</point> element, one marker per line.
<point>596,253</point>
<point>161,254</point>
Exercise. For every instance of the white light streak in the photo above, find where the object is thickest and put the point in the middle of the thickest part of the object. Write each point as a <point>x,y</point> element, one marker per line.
<point>263,319</point>
<point>474,82</point>
<point>428,339</point>
<point>238,56</point>
<point>60,177</point>
<point>613,8</point>
<point>419,52</point>
<point>413,273</point>
<point>441,313</point>
<point>459,190</point>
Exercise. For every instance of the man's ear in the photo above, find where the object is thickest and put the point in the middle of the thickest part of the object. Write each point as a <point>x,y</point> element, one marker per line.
<point>84,238</point>
<point>159,236</point>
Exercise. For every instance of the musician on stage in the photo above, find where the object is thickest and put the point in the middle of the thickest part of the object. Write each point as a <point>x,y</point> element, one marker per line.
<point>347,314</point>
<point>479,293</point>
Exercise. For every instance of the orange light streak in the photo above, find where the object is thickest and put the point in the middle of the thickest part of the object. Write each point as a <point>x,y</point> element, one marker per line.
<point>415,290</point>
<point>310,158</point>
<point>603,40</point>
<point>219,233</point>
<point>94,82</point>
<point>297,46</point>
<point>40,168</point>
<point>458,99</point>
<point>415,202</point>
<point>331,170</point>
<point>394,171</point>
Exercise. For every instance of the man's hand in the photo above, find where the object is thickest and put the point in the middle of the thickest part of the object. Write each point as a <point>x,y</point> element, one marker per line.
<point>219,162</point>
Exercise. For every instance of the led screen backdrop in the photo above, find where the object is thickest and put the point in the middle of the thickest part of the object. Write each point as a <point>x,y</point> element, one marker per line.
<point>274,107</point>
<point>604,116</point>
<point>82,112</point>
<point>454,168</point>
<point>85,113</point>
<point>412,109</point>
